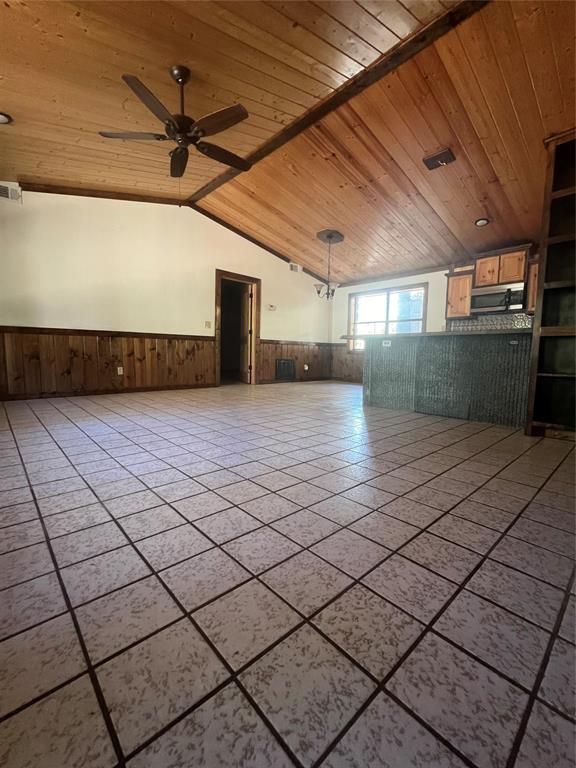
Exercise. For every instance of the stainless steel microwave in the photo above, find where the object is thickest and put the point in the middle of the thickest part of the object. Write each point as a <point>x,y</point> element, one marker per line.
<point>498,298</point>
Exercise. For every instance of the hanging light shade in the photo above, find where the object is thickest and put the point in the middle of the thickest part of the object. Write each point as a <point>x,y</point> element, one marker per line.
<point>329,236</point>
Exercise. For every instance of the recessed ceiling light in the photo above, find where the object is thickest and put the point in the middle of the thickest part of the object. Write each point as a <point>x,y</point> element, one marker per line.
<point>482,222</point>
<point>4,118</point>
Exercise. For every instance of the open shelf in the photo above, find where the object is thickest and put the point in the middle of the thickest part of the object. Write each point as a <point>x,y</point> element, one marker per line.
<point>564,166</point>
<point>566,238</point>
<point>559,284</point>
<point>561,262</point>
<point>563,192</point>
<point>562,216</point>
<point>559,307</point>
<point>558,330</point>
<point>556,356</point>
<point>553,370</point>
<point>554,402</point>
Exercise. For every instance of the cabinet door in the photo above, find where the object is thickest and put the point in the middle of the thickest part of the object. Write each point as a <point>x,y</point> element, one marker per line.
<point>512,267</point>
<point>532,287</point>
<point>459,296</point>
<point>486,271</point>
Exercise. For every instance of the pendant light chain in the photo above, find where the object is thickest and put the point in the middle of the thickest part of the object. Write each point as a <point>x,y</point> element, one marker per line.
<point>328,236</point>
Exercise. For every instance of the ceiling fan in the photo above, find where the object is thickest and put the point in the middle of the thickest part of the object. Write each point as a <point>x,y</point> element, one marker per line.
<point>183,129</point>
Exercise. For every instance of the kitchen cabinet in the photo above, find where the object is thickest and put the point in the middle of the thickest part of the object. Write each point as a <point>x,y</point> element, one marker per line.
<point>512,266</point>
<point>532,286</point>
<point>459,295</point>
<point>486,271</point>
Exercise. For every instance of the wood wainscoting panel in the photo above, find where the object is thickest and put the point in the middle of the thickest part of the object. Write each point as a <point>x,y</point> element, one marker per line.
<point>346,365</point>
<point>43,362</point>
<point>318,357</point>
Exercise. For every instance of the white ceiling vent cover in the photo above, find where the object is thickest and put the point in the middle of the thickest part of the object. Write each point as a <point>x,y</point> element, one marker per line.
<point>294,267</point>
<point>10,190</point>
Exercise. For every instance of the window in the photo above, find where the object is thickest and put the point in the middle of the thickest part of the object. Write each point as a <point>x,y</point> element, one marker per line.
<point>389,311</point>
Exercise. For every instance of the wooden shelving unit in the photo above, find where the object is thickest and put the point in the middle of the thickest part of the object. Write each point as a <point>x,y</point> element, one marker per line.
<point>552,371</point>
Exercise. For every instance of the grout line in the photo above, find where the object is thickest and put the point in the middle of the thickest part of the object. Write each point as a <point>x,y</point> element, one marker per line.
<point>539,678</point>
<point>369,511</point>
<point>91,673</point>
<point>416,642</point>
<point>215,650</point>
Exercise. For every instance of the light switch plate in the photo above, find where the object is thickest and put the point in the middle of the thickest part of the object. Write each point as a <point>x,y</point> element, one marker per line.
<point>120,370</point>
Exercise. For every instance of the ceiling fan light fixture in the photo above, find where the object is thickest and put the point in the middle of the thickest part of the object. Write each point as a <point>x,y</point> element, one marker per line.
<point>482,222</point>
<point>5,118</point>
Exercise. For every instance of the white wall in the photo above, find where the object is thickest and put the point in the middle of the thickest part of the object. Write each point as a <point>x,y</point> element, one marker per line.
<point>435,319</point>
<point>91,264</point>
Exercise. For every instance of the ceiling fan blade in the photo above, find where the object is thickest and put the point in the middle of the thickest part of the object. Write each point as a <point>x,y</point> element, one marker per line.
<point>148,99</point>
<point>223,156</point>
<point>178,161</point>
<point>221,120</point>
<point>133,135</point>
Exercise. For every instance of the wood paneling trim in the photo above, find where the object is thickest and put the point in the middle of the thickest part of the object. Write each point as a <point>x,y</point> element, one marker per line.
<point>298,343</point>
<point>347,365</point>
<point>56,189</point>
<point>72,332</point>
<point>396,275</point>
<point>62,362</point>
<point>318,357</point>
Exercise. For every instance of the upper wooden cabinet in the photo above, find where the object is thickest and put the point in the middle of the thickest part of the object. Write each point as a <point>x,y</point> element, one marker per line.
<point>498,268</point>
<point>512,267</point>
<point>486,271</point>
<point>459,295</point>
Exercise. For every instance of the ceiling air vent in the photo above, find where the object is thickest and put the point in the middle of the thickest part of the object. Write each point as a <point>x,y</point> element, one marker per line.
<point>10,190</point>
<point>294,267</point>
<point>441,158</point>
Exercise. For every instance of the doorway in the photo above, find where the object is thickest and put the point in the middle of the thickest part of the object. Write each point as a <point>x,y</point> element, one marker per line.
<point>237,328</point>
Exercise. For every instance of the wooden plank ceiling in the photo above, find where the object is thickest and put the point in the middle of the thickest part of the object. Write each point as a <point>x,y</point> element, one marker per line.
<point>492,90</point>
<point>61,62</point>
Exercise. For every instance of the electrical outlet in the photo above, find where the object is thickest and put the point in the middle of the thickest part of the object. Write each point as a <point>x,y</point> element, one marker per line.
<point>386,343</point>
<point>207,323</point>
<point>120,370</point>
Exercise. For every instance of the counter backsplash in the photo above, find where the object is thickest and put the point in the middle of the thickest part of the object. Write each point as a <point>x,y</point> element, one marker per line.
<point>496,322</point>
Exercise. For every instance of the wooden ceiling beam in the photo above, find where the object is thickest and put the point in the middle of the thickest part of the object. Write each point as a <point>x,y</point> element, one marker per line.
<point>384,65</point>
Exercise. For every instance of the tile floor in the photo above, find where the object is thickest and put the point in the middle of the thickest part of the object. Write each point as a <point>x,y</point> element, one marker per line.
<point>275,576</point>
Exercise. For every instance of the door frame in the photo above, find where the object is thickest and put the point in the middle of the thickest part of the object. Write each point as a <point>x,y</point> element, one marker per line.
<point>256,285</point>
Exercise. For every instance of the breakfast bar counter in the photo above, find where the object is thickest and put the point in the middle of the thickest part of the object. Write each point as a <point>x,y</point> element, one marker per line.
<point>481,376</point>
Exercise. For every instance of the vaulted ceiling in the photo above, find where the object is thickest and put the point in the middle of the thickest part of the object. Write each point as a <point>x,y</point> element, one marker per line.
<point>492,90</point>
<point>61,64</point>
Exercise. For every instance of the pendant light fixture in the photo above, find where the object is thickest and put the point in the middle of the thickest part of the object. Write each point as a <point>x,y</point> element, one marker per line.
<point>328,236</point>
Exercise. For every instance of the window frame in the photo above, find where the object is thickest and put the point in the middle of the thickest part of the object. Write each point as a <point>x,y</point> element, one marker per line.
<point>352,297</point>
